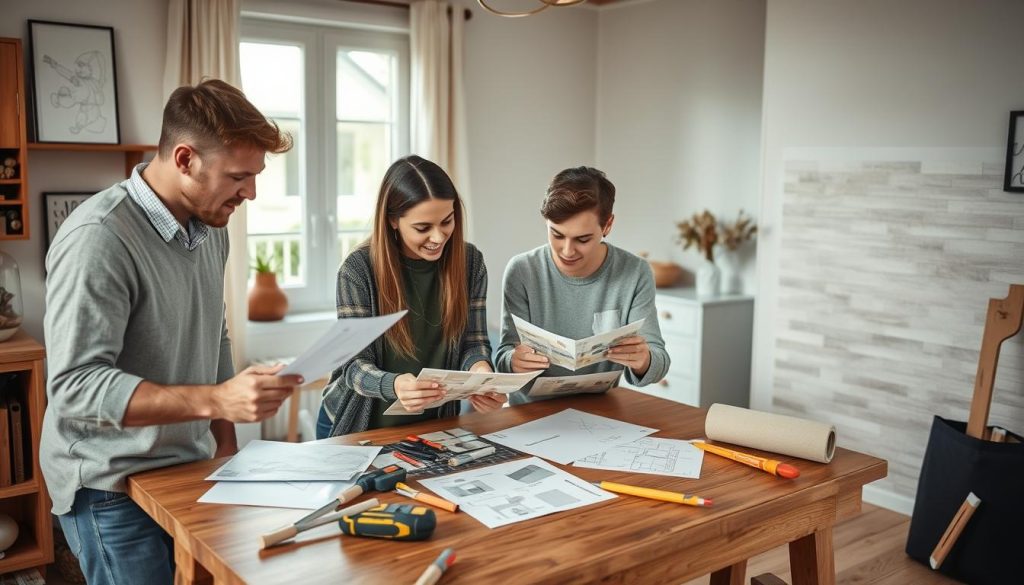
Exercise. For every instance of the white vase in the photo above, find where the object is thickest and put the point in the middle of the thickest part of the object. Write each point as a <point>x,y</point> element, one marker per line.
<point>708,280</point>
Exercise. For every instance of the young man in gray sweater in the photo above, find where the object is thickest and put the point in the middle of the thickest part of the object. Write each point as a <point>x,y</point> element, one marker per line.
<point>139,359</point>
<point>579,285</point>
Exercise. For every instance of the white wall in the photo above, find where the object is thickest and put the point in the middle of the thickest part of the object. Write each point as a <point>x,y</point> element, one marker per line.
<point>679,116</point>
<point>876,74</point>
<point>140,33</point>
<point>530,96</point>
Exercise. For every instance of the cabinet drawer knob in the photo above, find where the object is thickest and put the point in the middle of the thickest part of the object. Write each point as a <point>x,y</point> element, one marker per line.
<point>665,315</point>
<point>663,383</point>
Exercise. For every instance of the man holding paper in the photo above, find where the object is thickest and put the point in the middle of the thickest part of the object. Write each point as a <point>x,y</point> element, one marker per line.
<point>140,373</point>
<point>578,286</point>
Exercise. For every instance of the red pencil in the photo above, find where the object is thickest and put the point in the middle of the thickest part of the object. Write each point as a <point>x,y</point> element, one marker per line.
<point>407,459</point>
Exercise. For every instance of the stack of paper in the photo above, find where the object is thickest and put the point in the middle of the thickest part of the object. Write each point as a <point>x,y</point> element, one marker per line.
<point>288,475</point>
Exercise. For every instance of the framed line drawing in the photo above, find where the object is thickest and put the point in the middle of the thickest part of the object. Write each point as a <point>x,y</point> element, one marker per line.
<point>74,83</point>
<point>58,206</point>
<point>1014,178</point>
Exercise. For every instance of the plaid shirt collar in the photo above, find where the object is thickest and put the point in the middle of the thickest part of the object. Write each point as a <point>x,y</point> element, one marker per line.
<point>161,217</point>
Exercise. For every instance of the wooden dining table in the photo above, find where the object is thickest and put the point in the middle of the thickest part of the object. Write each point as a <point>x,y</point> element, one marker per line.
<point>623,540</point>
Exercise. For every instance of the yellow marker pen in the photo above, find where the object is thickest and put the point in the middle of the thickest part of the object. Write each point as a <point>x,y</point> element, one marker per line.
<point>653,494</point>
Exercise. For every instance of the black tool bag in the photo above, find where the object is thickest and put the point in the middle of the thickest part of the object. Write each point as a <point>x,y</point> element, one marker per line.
<point>990,549</point>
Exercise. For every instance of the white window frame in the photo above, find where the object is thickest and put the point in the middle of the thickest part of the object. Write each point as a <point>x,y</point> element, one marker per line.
<point>317,167</point>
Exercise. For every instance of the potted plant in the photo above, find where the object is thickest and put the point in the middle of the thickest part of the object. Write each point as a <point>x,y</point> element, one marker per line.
<point>267,302</point>
<point>702,231</point>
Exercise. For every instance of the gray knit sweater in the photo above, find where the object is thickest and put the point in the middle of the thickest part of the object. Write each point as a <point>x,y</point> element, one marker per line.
<point>122,306</point>
<point>620,292</point>
<point>352,387</point>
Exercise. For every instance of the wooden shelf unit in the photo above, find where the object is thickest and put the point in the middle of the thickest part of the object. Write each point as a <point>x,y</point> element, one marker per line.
<point>28,501</point>
<point>14,224</point>
<point>133,153</point>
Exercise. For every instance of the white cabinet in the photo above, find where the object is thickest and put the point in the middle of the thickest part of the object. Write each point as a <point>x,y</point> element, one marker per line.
<point>709,342</point>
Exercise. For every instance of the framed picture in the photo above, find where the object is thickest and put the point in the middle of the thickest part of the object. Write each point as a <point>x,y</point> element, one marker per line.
<point>1014,180</point>
<point>74,83</point>
<point>58,206</point>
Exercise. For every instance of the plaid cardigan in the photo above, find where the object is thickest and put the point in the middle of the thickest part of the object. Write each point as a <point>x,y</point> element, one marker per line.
<point>354,385</point>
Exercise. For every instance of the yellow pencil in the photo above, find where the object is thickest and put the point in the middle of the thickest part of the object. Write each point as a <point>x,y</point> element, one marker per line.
<point>632,490</point>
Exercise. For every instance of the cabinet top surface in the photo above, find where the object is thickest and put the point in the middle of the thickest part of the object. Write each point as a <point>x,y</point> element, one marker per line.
<point>690,294</point>
<point>21,347</point>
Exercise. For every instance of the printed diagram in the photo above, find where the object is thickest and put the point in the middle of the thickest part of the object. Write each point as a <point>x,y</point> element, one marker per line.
<point>644,456</point>
<point>649,455</point>
<point>530,474</point>
<point>564,385</point>
<point>469,488</point>
<point>570,353</point>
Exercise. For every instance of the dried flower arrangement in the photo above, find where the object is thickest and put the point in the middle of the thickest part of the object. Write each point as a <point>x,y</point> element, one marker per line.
<point>702,231</point>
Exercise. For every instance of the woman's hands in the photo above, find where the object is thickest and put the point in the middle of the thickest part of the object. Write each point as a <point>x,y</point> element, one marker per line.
<point>490,401</point>
<point>415,395</point>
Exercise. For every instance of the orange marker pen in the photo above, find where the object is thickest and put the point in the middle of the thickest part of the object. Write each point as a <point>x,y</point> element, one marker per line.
<point>772,466</point>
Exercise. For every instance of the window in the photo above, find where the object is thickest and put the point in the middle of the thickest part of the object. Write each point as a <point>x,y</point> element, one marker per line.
<point>343,96</point>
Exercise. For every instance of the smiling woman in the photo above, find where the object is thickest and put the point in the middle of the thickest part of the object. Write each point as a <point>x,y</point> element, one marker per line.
<point>416,260</point>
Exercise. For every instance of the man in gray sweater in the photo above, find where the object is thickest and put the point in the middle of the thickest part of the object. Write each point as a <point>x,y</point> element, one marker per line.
<point>139,359</point>
<point>578,286</point>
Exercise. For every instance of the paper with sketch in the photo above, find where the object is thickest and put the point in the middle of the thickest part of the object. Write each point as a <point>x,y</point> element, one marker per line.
<point>515,491</point>
<point>566,385</point>
<point>342,342</point>
<point>459,385</point>
<point>569,435</point>
<point>569,353</point>
<point>304,495</point>
<point>650,455</point>
<point>279,461</point>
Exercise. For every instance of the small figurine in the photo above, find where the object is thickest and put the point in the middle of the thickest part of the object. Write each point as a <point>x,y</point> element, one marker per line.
<point>9,169</point>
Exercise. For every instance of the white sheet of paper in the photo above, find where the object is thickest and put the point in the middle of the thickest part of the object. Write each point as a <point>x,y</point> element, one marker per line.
<point>279,461</point>
<point>461,385</point>
<point>304,495</point>
<point>572,354</point>
<point>569,435</point>
<point>342,342</point>
<point>650,455</point>
<point>567,385</point>
<point>515,491</point>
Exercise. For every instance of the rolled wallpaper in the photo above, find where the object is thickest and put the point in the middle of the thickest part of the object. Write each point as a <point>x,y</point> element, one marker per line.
<point>777,433</point>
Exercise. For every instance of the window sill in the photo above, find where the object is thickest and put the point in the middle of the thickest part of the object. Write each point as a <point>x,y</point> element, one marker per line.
<point>288,337</point>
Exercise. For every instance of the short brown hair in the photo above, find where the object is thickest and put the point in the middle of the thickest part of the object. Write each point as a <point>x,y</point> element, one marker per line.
<point>576,190</point>
<point>215,115</point>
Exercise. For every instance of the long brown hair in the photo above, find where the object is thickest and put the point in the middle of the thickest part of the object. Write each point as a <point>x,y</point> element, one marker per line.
<point>408,182</point>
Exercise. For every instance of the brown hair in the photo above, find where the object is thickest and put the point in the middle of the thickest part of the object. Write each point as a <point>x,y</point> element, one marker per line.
<point>576,190</point>
<point>216,115</point>
<point>408,182</point>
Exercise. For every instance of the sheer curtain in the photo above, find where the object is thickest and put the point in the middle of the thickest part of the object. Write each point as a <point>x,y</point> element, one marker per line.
<point>202,41</point>
<point>438,118</point>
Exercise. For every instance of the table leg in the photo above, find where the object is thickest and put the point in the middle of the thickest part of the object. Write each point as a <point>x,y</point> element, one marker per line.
<point>187,571</point>
<point>811,559</point>
<point>733,575</point>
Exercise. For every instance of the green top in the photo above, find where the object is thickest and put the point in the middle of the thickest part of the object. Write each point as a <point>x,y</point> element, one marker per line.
<point>423,297</point>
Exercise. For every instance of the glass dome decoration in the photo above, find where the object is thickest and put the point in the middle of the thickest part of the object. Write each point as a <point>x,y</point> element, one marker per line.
<point>10,297</point>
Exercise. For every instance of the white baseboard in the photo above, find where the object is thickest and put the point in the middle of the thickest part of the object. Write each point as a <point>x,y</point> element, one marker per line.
<point>888,500</point>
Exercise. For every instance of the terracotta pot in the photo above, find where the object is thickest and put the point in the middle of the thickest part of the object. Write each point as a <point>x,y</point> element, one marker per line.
<point>267,302</point>
<point>666,274</point>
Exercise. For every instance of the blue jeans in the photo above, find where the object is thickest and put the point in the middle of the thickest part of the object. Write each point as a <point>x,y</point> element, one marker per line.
<point>115,541</point>
<point>323,424</point>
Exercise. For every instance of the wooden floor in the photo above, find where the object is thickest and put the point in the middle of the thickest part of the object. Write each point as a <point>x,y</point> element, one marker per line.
<point>868,550</point>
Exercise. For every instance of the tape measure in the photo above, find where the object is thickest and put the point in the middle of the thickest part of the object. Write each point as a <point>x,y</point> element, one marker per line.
<point>394,521</point>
